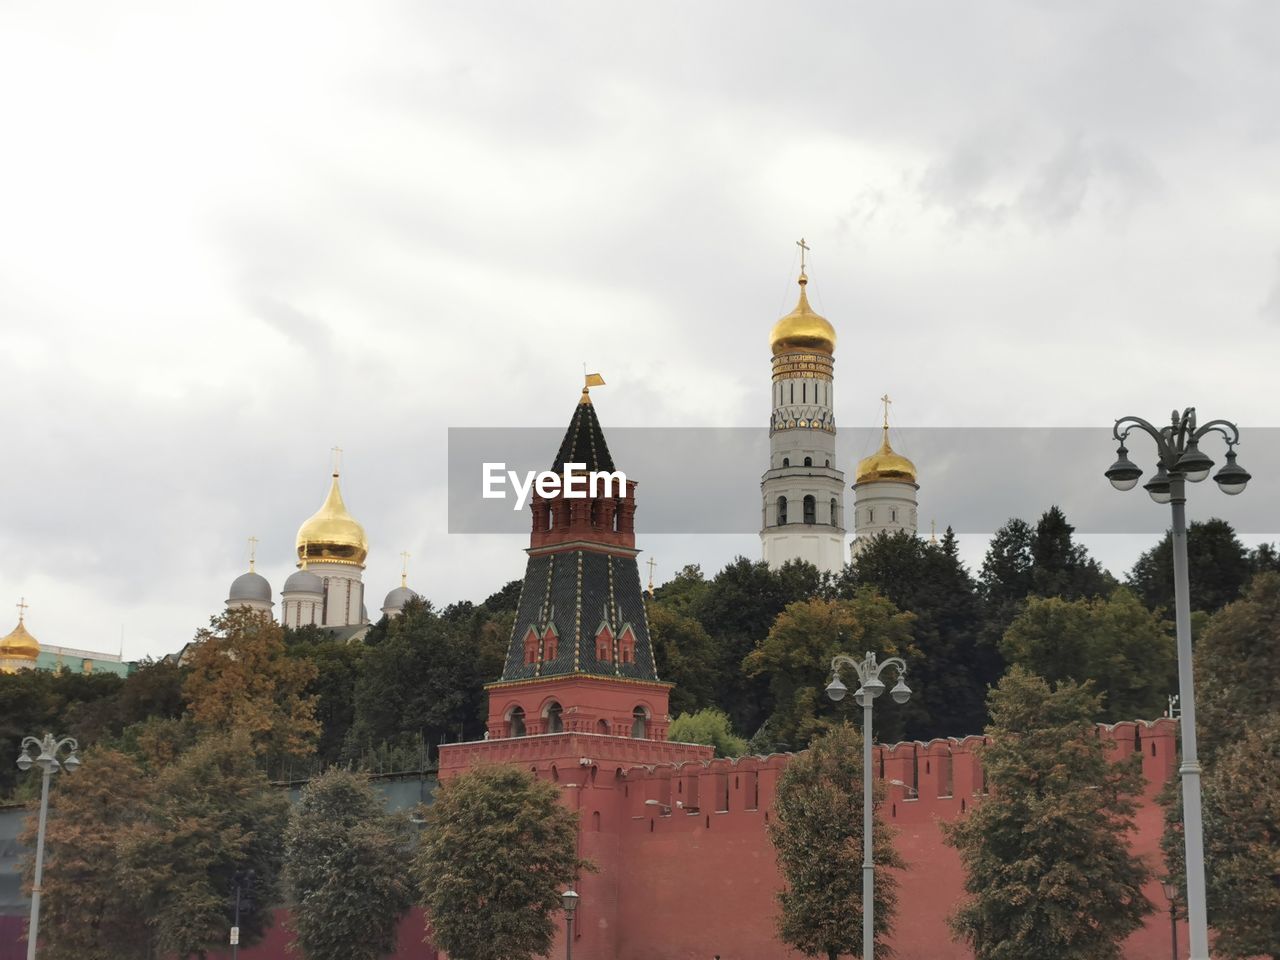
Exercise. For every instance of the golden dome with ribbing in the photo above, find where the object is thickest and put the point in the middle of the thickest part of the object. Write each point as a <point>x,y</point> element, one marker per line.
<point>802,329</point>
<point>332,533</point>
<point>884,464</point>
<point>19,644</point>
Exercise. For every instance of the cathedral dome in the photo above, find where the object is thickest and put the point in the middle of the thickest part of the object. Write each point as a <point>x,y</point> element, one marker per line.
<point>250,586</point>
<point>332,533</point>
<point>19,645</point>
<point>884,464</point>
<point>802,329</point>
<point>397,598</point>
<point>303,581</point>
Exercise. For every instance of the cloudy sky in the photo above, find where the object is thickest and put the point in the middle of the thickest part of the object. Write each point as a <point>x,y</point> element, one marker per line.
<point>234,235</point>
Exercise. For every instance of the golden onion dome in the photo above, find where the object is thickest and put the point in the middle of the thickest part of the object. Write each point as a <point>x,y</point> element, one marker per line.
<point>19,645</point>
<point>332,533</point>
<point>884,464</point>
<point>802,329</point>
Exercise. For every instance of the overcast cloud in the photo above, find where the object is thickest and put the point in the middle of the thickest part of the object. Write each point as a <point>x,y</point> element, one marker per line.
<point>234,235</point>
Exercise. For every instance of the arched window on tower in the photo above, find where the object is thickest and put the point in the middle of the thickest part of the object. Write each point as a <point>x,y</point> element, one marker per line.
<point>555,718</point>
<point>515,723</point>
<point>782,511</point>
<point>808,461</point>
<point>639,723</point>
<point>835,512</point>
<point>786,461</point>
<point>810,509</point>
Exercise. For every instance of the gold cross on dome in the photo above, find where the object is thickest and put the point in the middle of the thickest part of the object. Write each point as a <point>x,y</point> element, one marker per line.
<point>337,460</point>
<point>22,608</point>
<point>404,568</point>
<point>253,552</point>
<point>652,563</point>
<point>886,401</point>
<point>804,248</point>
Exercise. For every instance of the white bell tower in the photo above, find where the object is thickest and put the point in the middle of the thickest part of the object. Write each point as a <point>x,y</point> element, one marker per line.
<point>802,513</point>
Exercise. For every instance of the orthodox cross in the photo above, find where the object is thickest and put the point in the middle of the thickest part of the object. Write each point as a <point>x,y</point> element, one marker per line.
<point>337,460</point>
<point>253,552</point>
<point>933,531</point>
<point>804,248</point>
<point>22,608</point>
<point>652,563</point>
<point>404,568</point>
<point>886,401</point>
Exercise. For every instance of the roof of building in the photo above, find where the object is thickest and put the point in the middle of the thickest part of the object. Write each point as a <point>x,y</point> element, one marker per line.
<point>331,533</point>
<point>802,329</point>
<point>584,440</point>
<point>250,586</point>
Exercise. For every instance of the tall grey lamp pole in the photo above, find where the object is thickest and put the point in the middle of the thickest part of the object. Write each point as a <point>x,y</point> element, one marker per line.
<point>1179,460</point>
<point>47,761</point>
<point>870,687</point>
<point>569,900</point>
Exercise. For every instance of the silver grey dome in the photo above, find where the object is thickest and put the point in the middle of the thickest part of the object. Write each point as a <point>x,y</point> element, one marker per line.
<point>303,581</point>
<point>397,598</point>
<point>250,586</point>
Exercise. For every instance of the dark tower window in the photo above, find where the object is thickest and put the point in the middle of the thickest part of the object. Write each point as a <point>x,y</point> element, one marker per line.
<point>639,723</point>
<point>786,461</point>
<point>810,510</point>
<point>555,718</point>
<point>808,461</point>
<point>835,508</point>
<point>517,722</point>
<point>782,511</point>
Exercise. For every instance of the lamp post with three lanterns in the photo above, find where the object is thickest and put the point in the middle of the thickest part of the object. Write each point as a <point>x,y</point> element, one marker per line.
<point>870,687</point>
<point>1179,461</point>
<point>47,760</point>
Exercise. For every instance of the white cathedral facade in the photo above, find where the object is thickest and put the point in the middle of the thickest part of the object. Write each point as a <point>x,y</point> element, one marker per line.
<point>327,590</point>
<point>803,513</point>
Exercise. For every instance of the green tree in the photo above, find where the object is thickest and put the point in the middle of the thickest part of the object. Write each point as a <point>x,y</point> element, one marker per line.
<point>796,659</point>
<point>1237,664</point>
<point>88,911</point>
<point>497,849</point>
<point>1006,570</point>
<point>1060,567</point>
<point>241,678</point>
<point>337,667</point>
<point>347,868</point>
<point>684,655</point>
<point>817,835</point>
<point>929,580</point>
<point>710,726</point>
<point>1217,562</point>
<point>422,681</point>
<point>1048,870</point>
<point>209,815</point>
<point>1242,843</point>
<point>738,609</point>
<point>1117,643</point>
<point>683,593</point>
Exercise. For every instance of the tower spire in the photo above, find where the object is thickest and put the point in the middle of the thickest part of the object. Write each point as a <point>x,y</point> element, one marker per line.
<point>652,563</point>
<point>404,568</point>
<point>253,552</point>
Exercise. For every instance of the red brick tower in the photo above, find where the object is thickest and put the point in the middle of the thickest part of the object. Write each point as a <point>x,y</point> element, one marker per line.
<point>579,701</point>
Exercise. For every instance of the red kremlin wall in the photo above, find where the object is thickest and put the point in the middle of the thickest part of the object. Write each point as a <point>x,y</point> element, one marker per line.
<point>692,874</point>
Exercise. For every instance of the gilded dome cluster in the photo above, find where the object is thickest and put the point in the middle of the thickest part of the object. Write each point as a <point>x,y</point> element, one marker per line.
<point>802,329</point>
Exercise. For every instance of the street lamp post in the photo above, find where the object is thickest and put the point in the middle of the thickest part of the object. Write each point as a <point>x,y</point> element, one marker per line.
<point>1171,894</point>
<point>49,764</point>
<point>870,687</point>
<point>569,899</point>
<point>1179,460</point>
